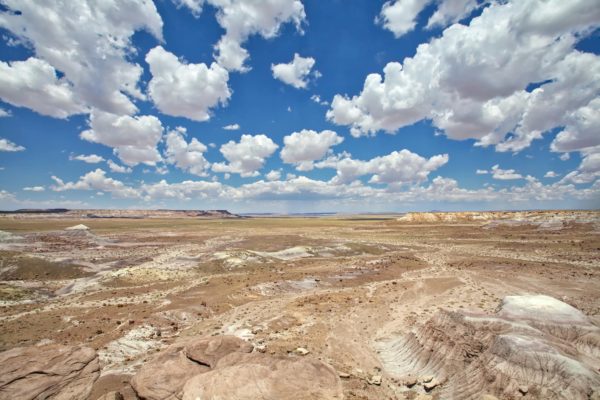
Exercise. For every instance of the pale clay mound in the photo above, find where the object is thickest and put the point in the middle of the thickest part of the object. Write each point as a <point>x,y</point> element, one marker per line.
<point>79,227</point>
<point>534,345</point>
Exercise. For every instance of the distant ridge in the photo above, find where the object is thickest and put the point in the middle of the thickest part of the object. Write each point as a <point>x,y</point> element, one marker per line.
<point>134,214</point>
<point>36,211</point>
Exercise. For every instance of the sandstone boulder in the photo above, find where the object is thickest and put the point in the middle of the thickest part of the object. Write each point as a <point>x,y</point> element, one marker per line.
<point>208,351</point>
<point>163,377</point>
<point>48,372</point>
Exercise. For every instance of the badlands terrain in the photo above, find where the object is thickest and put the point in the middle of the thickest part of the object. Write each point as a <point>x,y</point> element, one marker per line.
<point>189,305</point>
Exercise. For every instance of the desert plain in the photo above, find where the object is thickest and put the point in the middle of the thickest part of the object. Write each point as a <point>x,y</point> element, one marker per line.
<point>502,305</point>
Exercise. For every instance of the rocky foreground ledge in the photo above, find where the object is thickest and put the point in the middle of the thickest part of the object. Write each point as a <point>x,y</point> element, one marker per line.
<point>533,347</point>
<point>218,367</point>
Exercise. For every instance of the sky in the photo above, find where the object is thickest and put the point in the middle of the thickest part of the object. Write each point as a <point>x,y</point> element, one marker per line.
<point>292,106</point>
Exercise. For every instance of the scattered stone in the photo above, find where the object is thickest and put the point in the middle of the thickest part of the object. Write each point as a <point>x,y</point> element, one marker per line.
<point>426,378</point>
<point>261,348</point>
<point>431,384</point>
<point>343,375</point>
<point>374,380</point>
<point>301,351</point>
<point>523,389</point>
<point>410,380</point>
<point>48,372</point>
<point>256,329</point>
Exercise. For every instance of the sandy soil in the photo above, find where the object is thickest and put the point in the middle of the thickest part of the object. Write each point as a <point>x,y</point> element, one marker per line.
<point>340,288</point>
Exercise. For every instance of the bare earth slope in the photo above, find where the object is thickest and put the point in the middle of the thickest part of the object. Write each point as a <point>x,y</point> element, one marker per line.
<point>432,305</point>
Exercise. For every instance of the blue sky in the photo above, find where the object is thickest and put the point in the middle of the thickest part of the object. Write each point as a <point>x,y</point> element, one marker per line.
<point>300,106</point>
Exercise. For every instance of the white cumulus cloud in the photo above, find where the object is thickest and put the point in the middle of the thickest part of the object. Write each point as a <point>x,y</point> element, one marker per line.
<point>241,19</point>
<point>247,156</point>
<point>396,168</point>
<point>90,159</point>
<point>34,189</point>
<point>296,73</point>
<point>86,40</point>
<point>304,147</point>
<point>7,145</point>
<point>273,175</point>
<point>189,156</point>
<point>96,180</point>
<point>232,127</point>
<point>133,139</point>
<point>472,81</point>
<point>114,167</point>
<point>33,84</point>
<point>400,16</point>
<point>504,174</point>
<point>186,90</point>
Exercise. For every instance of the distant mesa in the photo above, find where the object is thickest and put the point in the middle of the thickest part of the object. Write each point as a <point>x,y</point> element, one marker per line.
<point>36,211</point>
<point>544,220</point>
<point>105,213</point>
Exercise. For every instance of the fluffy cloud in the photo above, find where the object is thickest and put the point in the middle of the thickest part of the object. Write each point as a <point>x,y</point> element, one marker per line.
<point>582,127</point>
<point>96,180</point>
<point>589,169</point>
<point>400,16</point>
<point>90,159</point>
<point>304,147</point>
<point>451,11</point>
<point>396,168</point>
<point>195,6</point>
<point>187,156</point>
<point>295,73</point>
<point>87,41</point>
<point>185,90</point>
<point>273,175</point>
<point>7,145</point>
<point>551,174</point>
<point>133,139</point>
<point>33,84</point>
<point>34,189</point>
<point>232,127</point>
<point>317,99</point>
<point>4,113</point>
<point>472,81</point>
<point>185,190</point>
<point>246,157</point>
<point>439,190</point>
<point>241,19</point>
<point>114,167</point>
<point>504,174</point>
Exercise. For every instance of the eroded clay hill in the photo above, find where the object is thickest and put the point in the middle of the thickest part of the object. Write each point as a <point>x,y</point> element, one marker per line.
<point>292,308</point>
